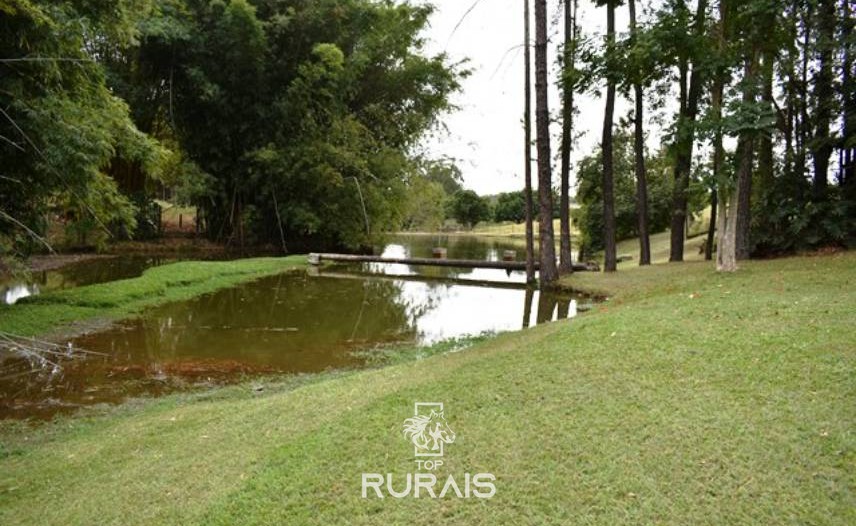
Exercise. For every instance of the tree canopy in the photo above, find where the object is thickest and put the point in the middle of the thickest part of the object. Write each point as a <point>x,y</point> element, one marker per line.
<point>282,121</point>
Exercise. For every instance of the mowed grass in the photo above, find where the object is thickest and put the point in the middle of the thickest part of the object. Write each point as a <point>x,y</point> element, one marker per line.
<point>55,311</point>
<point>660,242</point>
<point>689,398</point>
<point>512,229</point>
<point>660,249</point>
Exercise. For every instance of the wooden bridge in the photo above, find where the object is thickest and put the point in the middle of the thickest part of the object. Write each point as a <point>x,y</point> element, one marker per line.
<point>317,259</point>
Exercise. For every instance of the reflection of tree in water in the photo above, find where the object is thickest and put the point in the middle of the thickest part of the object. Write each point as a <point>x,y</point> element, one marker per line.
<point>282,322</point>
<point>546,307</point>
<point>427,297</point>
<point>100,270</point>
<point>286,323</point>
<point>381,314</point>
<point>459,247</point>
<point>548,304</point>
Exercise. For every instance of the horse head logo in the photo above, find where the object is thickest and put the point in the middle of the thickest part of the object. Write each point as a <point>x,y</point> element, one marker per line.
<point>429,432</point>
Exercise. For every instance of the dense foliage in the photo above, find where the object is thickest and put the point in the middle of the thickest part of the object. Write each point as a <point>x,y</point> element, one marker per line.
<point>299,115</point>
<point>469,209</point>
<point>589,216</point>
<point>430,188</point>
<point>60,124</point>
<point>759,102</point>
<point>510,206</point>
<point>283,121</point>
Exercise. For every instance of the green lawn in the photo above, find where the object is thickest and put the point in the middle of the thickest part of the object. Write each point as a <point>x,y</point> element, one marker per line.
<point>660,242</point>
<point>660,248</point>
<point>55,311</point>
<point>689,398</point>
<point>514,229</point>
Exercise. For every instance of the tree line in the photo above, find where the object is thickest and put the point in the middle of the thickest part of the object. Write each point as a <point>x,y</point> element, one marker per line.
<point>292,123</point>
<point>760,103</point>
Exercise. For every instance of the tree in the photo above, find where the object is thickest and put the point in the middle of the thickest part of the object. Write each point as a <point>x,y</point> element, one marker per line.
<point>848,95</point>
<point>610,258</point>
<point>686,50</point>
<point>639,148</point>
<point>314,108</point>
<point>794,206</point>
<point>568,85</point>
<point>60,125</point>
<point>748,119</point>
<point>548,271</point>
<point>443,172</point>
<point>510,206</point>
<point>469,209</point>
<point>589,217</point>
<point>527,147</point>
<point>425,205</point>
<point>824,96</point>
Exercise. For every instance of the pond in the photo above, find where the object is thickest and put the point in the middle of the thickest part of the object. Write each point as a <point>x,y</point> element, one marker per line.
<point>88,272</point>
<point>299,322</point>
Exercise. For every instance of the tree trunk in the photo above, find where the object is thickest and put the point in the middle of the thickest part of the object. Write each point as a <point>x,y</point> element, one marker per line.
<point>726,249</point>
<point>639,149</point>
<point>711,228</point>
<point>726,256</point>
<point>803,130</point>
<point>546,308</point>
<point>527,149</point>
<point>745,163</point>
<point>610,260</point>
<point>684,146</point>
<point>766,169</point>
<point>528,297</point>
<point>824,96</point>
<point>790,93</point>
<point>565,258</point>
<point>848,95</point>
<point>548,272</point>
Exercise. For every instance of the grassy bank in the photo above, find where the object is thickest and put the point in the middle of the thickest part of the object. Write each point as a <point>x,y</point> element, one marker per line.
<point>515,234</point>
<point>64,310</point>
<point>689,398</point>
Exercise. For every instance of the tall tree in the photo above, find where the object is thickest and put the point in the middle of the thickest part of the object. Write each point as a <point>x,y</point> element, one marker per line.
<point>721,195</point>
<point>745,162</point>
<point>824,95</point>
<point>806,10</point>
<point>848,94</point>
<point>568,67</point>
<point>548,272</point>
<point>314,108</point>
<point>61,124</point>
<point>726,252</point>
<point>639,148</point>
<point>610,258</point>
<point>766,160</point>
<point>685,132</point>
<point>527,146</point>
<point>788,79</point>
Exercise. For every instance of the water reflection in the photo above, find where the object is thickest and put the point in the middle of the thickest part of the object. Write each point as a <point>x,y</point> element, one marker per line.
<point>298,322</point>
<point>11,294</point>
<point>98,270</point>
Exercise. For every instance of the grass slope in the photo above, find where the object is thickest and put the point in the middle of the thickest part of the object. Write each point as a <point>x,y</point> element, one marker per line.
<point>660,247</point>
<point>178,281</point>
<point>660,242</point>
<point>689,398</point>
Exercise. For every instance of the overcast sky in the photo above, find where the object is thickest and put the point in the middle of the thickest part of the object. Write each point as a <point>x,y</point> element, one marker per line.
<point>486,134</point>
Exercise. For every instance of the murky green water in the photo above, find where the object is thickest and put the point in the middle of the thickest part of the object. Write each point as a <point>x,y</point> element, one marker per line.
<point>89,272</point>
<point>290,323</point>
